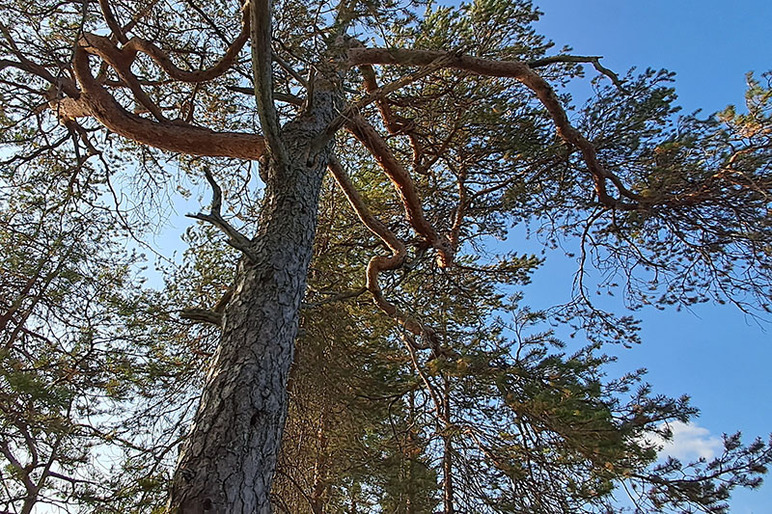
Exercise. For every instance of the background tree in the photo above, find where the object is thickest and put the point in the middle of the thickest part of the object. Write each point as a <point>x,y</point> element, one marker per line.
<point>442,127</point>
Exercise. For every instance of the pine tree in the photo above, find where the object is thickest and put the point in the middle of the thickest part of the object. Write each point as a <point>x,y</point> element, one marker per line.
<point>418,384</point>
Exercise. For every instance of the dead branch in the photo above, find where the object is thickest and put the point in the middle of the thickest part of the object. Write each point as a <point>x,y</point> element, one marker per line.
<point>581,59</point>
<point>235,238</point>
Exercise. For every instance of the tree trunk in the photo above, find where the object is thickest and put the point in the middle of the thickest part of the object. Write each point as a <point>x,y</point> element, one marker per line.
<point>226,465</point>
<point>448,500</point>
<point>320,487</point>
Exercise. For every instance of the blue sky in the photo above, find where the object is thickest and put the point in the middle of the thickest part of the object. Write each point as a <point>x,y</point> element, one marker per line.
<point>715,354</point>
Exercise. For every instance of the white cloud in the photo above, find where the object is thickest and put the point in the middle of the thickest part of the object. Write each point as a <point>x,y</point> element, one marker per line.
<point>689,442</point>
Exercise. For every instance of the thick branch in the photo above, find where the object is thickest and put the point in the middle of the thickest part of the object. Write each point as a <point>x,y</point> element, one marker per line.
<point>371,86</point>
<point>260,11</point>
<point>131,47</point>
<point>173,137</point>
<point>522,72</point>
<point>404,185</point>
<point>120,61</point>
<point>202,316</point>
<point>112,22</point>
<point>395,124</point>
<point>213,315</point>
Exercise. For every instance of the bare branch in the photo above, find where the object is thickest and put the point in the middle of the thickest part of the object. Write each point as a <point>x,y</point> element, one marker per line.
<point>593,59</point>
<point>286,67</point>
<point>120,61</point>
<point>282,97</point>
<point>371,86</point>
<point>458,217</point>
<point>260,12</point>
<point>235,238</point>
<point>376,95</point>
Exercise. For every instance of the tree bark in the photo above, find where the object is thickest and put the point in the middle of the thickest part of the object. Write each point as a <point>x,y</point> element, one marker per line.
<point>226,465</point>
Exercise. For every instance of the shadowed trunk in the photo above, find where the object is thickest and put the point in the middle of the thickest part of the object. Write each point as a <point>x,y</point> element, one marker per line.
<point>448,500</point>
<point>227,464</point>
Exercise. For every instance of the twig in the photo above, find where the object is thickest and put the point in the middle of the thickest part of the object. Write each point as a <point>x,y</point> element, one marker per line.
<point>592,59</point>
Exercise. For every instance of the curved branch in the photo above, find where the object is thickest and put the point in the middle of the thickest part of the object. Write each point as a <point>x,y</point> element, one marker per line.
<point>174,137</point>
<point>377,95</point>
<point>158,56</point>
<point>523,73</point>
<point>404,185</point>
<point>65,85</point>
<point>120,61</point>
<point>381,263</point>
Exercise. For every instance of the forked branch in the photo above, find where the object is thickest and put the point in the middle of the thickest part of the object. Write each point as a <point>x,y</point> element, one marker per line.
<point>381,263</point>
<point>527,76</point>
<point>235,238</point>
<point>135,45</point>
<point>581,59</point>
<point>378,96</point>
<point>404,185</point>
<point>170,136</point>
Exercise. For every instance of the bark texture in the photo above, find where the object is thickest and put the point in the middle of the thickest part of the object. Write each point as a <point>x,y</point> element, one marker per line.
<point>226,465</point>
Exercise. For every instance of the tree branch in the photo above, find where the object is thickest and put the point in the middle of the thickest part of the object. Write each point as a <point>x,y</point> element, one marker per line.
<point>522,72</point>
<point>404,185</point>
<point>377,95</point>
<point>202,315</point>
<point>260,12</point>
<point>381,263</point>
<point>174,137</point>
<point>158,56</point>
<point>112,22</point>
<point>235,238</point>
<point>592,59</point>
<point>290,99</point>
<point>120,60</point>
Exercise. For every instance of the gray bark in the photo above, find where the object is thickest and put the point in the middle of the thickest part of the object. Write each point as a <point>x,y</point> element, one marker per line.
<point>226,465</point>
